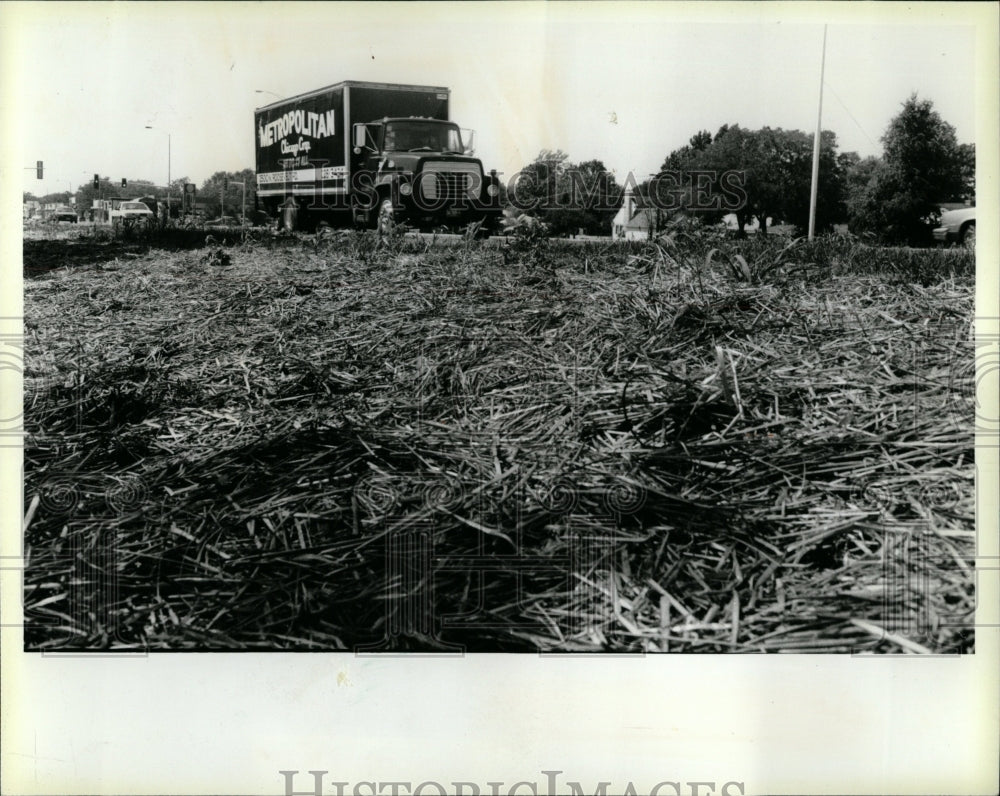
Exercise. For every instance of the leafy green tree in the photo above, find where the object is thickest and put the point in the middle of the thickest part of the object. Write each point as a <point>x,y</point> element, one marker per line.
<point>535,187</point>
<point>567,196</point>
<point>211,192</point>
<point>967,168</point>
<point>86,194</point>
<point>794,180</point>
<point>773,168</point>
<point>857,176</point>
<point>683,158</point>
<point>923,166</point>
<point>58,198</point>
<point>592,194</point>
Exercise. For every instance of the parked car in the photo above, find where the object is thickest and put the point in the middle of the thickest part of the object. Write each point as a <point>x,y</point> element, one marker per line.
<point>957,226</point>
<point>131,212</point>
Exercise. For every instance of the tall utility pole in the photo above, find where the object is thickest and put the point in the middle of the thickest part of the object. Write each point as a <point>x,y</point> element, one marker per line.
<point>819,127</point>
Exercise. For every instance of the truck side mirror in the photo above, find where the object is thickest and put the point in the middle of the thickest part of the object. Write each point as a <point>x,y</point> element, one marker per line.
<point>360,136</point>
<point>468,142</point>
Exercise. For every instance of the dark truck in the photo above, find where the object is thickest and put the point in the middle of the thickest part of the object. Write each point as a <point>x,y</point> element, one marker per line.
<point>371,154</point>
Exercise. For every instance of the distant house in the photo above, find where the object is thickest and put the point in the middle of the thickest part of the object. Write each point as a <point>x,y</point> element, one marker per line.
<point>633,222</point>
<point>753,227</point>
<point>732,223</point>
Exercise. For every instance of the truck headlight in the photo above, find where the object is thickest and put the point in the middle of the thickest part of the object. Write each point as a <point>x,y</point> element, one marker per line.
<point>492,190</point>
<point>406,189</point>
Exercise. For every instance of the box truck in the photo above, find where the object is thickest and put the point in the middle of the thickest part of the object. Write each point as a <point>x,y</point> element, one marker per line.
<point>371,154</point>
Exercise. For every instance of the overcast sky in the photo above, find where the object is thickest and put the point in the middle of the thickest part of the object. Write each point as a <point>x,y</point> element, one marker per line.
<point>625,84</point>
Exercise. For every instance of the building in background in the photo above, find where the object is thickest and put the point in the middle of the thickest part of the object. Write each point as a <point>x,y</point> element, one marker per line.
<point>635,223</point>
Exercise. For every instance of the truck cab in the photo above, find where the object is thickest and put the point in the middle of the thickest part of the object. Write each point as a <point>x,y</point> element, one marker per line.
<point>421,170</point>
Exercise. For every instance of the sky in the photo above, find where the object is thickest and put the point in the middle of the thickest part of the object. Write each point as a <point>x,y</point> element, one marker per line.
<point>622,83</point>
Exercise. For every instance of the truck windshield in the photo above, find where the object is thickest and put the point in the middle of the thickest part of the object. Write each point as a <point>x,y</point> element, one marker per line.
<point>417,136</point>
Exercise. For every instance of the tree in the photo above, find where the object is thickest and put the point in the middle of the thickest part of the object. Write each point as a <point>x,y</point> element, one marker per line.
<point>700,141</point>
<point>922,167</point>
<point>86,194</point>
<point>967,168</point>
<point>594,194</point>
<point>211,192</point>
<point>670,190</point>
<point>57,198</point>
<point>534,188</point>
<point>567,196</point>
<point>858,175</point>
<point>795,181</point>
<point>682,158</point>
<point>773,168</point>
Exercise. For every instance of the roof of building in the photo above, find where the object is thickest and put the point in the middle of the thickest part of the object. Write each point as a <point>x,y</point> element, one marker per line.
<point>643,218</point>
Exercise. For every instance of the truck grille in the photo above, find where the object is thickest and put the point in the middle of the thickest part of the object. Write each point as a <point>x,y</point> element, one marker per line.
<point>449,184</point>
<point>446,186</point>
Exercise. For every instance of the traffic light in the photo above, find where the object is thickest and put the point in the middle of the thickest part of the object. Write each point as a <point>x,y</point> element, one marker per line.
<point>38,169</point>
<point>225,184</point>
<point>97,182</point>
<point>124,182</point>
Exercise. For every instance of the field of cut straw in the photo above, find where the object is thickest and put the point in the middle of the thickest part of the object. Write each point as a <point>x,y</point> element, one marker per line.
<point>330,442</point>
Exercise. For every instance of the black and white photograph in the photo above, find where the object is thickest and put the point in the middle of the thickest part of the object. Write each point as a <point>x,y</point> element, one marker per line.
<point>606,333</point>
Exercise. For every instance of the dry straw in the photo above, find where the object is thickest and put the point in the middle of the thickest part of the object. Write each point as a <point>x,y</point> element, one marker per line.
<point>321,443</point>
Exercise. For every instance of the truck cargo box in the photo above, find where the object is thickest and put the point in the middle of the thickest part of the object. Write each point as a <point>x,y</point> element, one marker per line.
<point>304,142</point>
